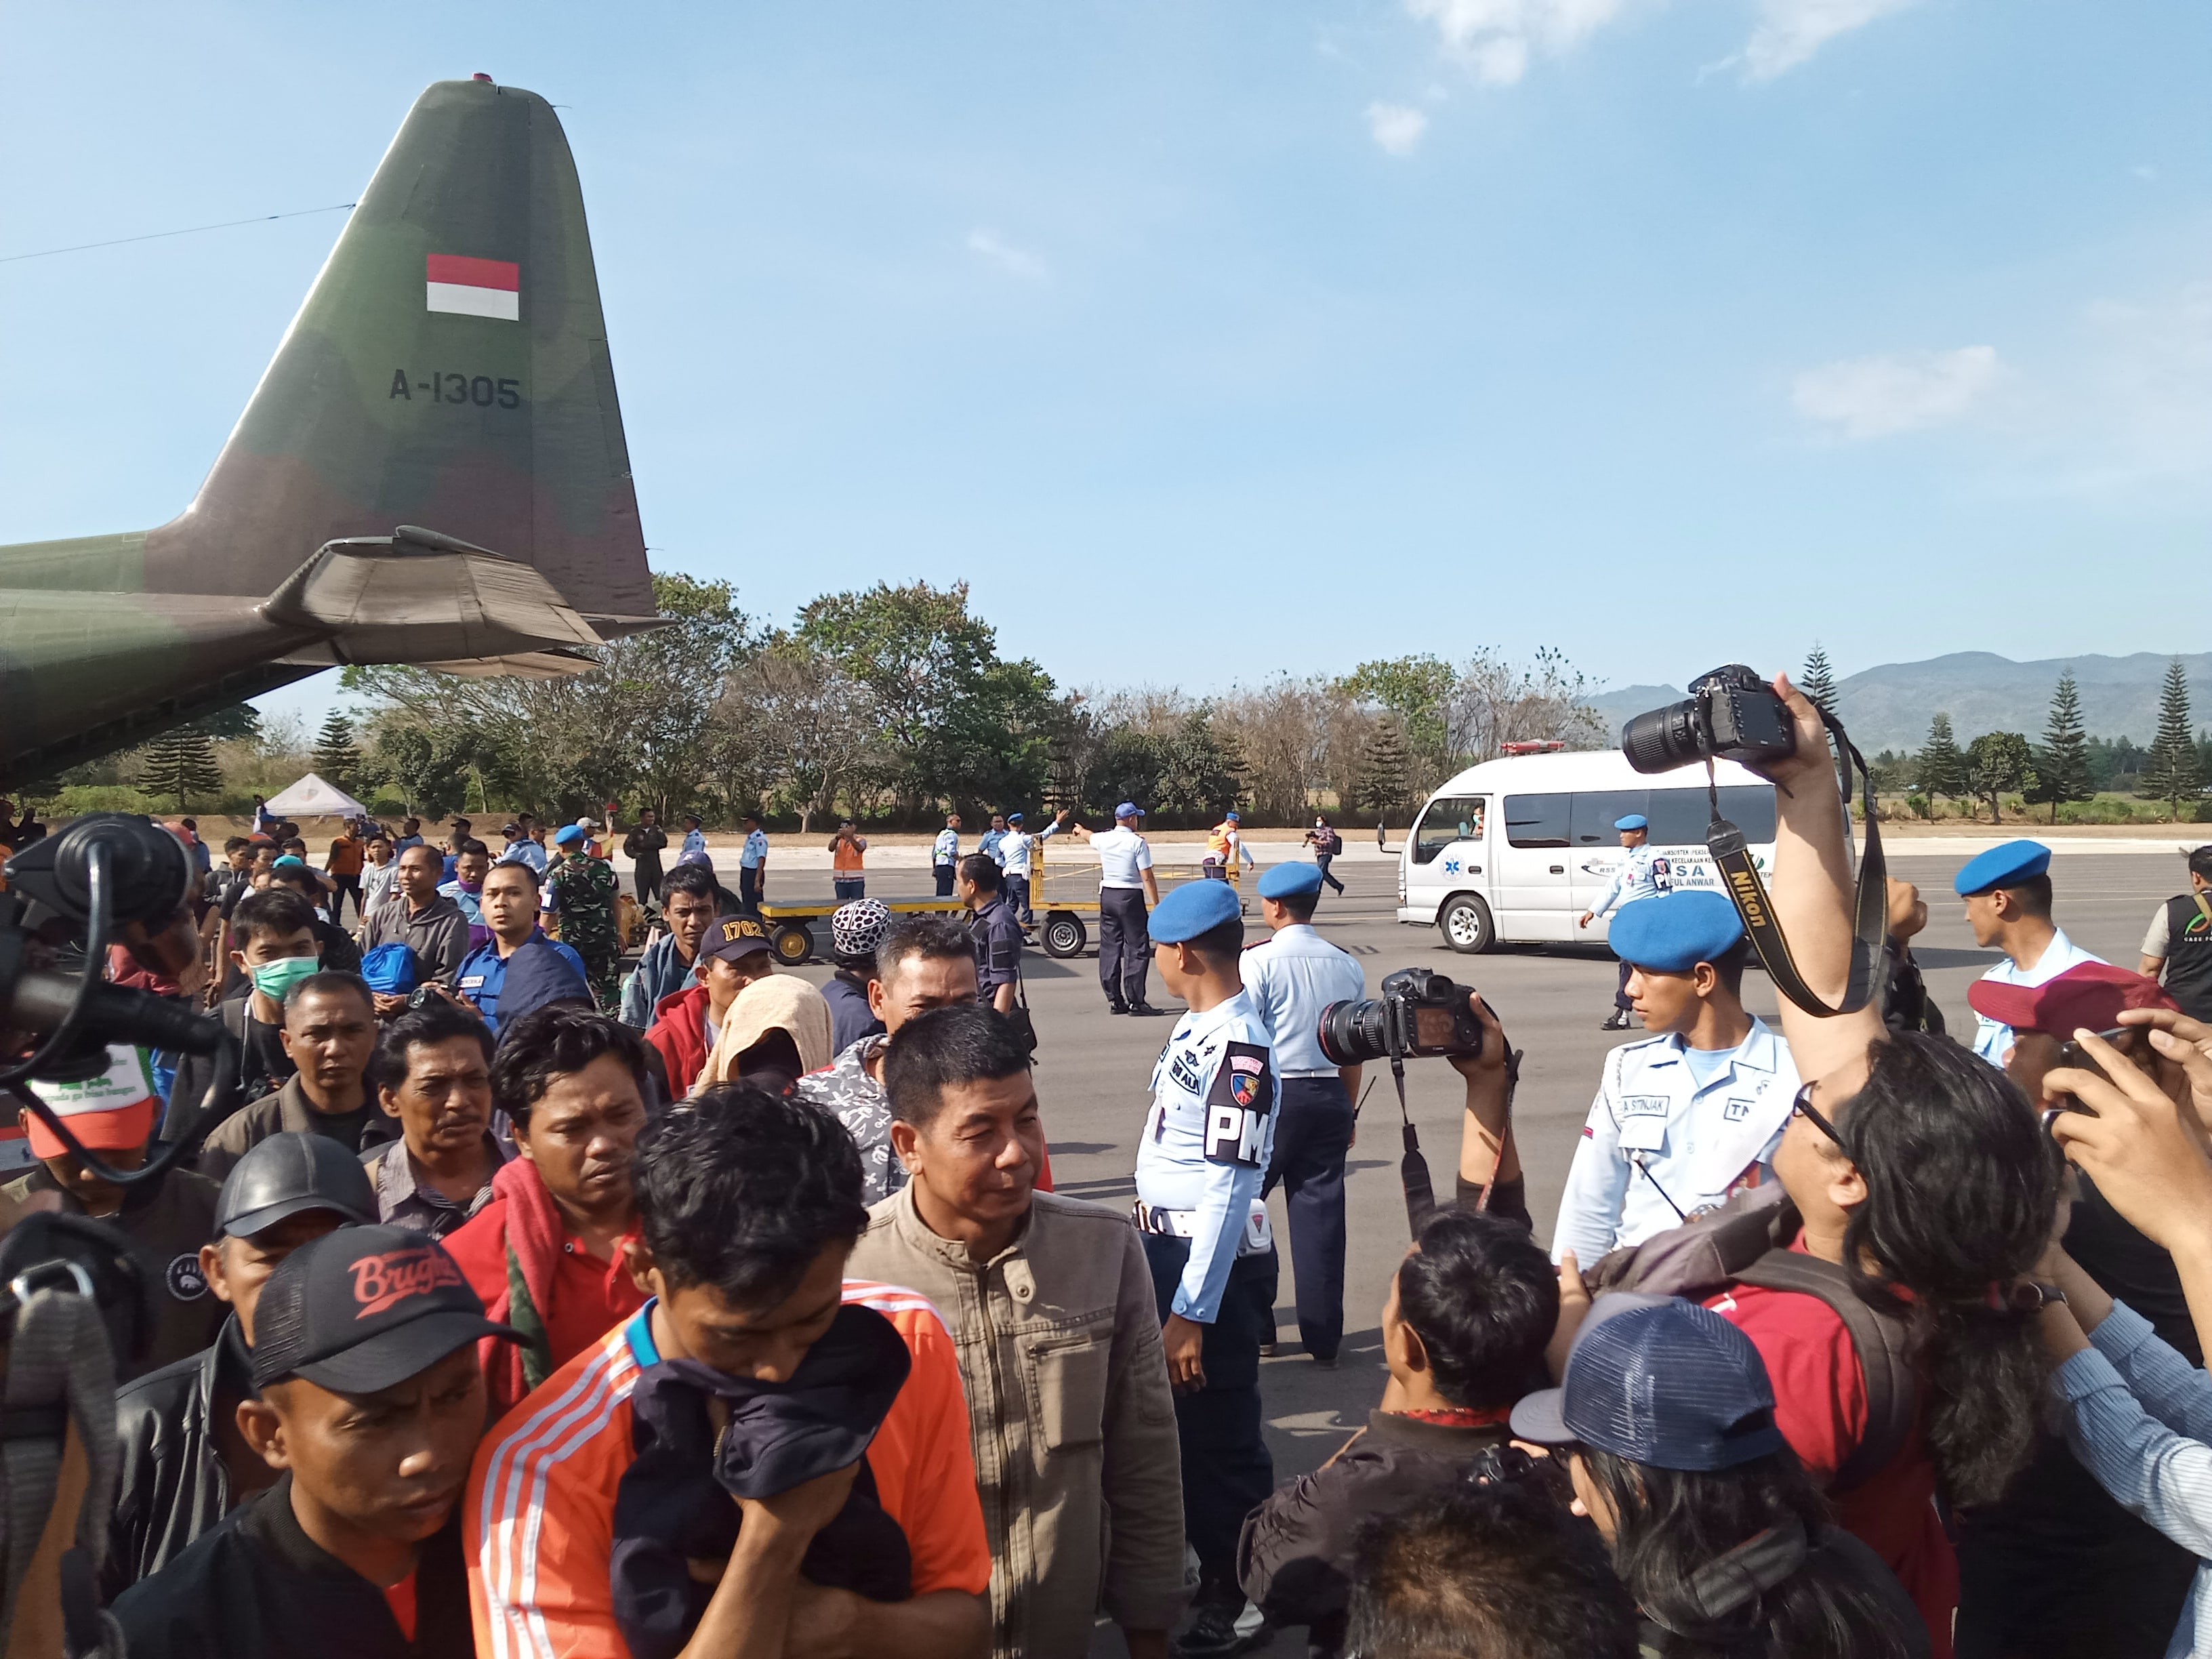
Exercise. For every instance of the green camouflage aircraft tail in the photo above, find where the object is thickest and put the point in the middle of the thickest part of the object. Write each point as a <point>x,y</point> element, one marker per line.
<point>432,470</point>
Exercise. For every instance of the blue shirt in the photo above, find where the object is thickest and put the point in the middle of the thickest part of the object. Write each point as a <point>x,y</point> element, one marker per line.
<point>988,846</point>
<point>1642,873</point>
<point>525,851</point>
<point>1208,1141</point>
<point>946,850</point>
<point>482,973</point>
<point>694,844</point>
<point>1291,978</point>
<point>756,850</point>
<point>660,973</point>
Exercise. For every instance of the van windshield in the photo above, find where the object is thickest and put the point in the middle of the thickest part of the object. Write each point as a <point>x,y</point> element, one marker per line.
<point>1449,818</point>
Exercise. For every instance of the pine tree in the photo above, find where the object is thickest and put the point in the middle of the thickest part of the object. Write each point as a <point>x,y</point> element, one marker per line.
<point>181,762</point>
<point>1819,681</point>
<point>2062,765</point>
<point>1942,767</point>
<point>2171,774</point>
<point>338,758</point>
<point>1385,769</point>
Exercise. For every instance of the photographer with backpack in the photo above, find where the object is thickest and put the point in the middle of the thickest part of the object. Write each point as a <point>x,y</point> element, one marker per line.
<point>1910,1179</point>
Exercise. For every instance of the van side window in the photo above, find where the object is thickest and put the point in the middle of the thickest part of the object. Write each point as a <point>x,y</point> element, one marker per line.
<point>1537,820</point>
<point>1596,810</point>
<point>1449,818</point>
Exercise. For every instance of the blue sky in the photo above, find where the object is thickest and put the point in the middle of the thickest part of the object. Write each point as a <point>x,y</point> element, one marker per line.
<point>1210,340</point>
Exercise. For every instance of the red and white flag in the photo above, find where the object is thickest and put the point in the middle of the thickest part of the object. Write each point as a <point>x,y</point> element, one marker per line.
<point>476,288</point>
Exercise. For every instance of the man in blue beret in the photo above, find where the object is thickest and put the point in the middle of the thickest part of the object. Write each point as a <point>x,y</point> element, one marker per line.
<point>1691,1113</point>
<point>1292,979</point>
<point>2007,892</point>
<point>1200,1162</point>
<point>1125,882</point>
<point>1642,873</point>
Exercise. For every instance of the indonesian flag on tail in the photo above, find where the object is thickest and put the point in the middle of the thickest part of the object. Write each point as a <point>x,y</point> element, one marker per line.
<point>476,288</point>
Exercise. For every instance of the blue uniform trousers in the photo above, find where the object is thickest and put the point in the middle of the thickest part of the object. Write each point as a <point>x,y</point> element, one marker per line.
<point>749,889</point>
<point>944,872</point>
<point>1125,945</point>
<point>1313,1134</point>
<point>1226,1470</point>
<point>1017,897</point>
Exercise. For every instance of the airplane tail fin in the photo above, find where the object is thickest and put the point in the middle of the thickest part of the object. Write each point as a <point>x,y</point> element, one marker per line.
<point>449,370</point>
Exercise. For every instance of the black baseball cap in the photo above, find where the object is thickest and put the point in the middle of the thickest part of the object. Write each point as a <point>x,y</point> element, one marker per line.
<point>364,1308</point>
<point>288,1175</point>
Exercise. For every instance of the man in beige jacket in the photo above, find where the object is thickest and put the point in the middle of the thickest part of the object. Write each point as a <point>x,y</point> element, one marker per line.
<point>1051,1306</point>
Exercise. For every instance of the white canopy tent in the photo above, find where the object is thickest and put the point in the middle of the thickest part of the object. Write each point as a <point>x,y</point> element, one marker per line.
<point>313,798</point>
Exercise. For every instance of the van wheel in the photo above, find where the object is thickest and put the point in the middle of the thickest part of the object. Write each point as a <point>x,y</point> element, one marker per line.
<point>1467,925</point>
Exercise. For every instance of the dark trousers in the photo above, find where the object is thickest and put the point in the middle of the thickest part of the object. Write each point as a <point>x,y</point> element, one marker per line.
<point>749,888</point>
<point>1322,863</point>
<point>847,888</point>
<point>646,879</point>
<point>341,885</point>
<point>1313,1134</point>
<point>943,879</point>
<point>1125,948</point>
<point>1018,899</point>
<point>1621,994</point>
<point>1226,1471</point>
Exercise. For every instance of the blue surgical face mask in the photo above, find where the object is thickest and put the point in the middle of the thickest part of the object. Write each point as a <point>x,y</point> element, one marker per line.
<point>274,980</point>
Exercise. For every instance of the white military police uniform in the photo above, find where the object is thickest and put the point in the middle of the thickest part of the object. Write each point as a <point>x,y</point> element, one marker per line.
<point>2010,865</point>
<point>1207,1144</point>
<point>1644,872</point>
<point>1655,1135</point>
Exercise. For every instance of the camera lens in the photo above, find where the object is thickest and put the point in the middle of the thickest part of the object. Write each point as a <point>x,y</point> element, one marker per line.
<point>1352,1033</point>
<point>1664,738</point>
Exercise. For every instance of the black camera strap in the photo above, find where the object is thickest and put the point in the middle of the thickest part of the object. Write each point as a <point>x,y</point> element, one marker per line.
<point>1413,1168</point>
<point>1869,974</point>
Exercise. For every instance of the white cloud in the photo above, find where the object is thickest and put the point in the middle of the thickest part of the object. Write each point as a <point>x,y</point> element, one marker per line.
<point>1896,392</point>
<point>1790,31</point>
<point>1495,38</point>
<point>1013,261</point>
<point>1397,129</point>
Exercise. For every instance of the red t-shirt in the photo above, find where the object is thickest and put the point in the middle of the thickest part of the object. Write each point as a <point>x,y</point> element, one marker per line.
<point>1820,1406</point>
<point>400,1598</point>
<point>589,1296</point>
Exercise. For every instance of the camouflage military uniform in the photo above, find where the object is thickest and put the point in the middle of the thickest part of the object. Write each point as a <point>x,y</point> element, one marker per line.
<point>583,890</point>
<point>856,1099</point>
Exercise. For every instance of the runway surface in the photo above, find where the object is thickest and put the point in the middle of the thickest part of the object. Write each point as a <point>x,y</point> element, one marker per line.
<point>1092,1069</point>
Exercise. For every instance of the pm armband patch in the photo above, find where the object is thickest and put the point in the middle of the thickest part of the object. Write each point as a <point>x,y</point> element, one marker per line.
<point>1238,1104</point>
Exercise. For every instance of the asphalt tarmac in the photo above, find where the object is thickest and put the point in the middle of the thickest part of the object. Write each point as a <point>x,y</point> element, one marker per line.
<point>1092,1069</point>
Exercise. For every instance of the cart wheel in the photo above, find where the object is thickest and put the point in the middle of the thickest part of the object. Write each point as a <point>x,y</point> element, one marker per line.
<point>791,943</point>
<point>1065,934</point>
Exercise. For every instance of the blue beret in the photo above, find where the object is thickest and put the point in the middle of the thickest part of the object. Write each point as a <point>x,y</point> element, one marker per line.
<point>1633,821</point>
<point>1289,879</point>
<point>1675,931</point>
<point>290,861</point>
<point>1014,817</point>
<point>2016,860</point>
<point>1233,817</point>
<point>566,835</point>
<point>1195,907</point>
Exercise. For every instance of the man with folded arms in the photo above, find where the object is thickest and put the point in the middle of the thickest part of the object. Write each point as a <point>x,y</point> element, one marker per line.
<point>371,1404</point>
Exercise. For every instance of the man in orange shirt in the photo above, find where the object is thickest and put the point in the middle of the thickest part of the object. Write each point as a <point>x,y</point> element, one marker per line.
<point>344,868</point>
<point>749,1205</point>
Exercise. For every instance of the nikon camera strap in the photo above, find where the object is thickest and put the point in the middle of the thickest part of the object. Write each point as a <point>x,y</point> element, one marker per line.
<point>1869,974</point>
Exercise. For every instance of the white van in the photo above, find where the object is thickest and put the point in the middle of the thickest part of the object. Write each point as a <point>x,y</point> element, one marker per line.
<point>1516,849</point>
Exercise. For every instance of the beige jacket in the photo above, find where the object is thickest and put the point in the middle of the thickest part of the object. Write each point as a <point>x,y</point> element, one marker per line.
<point>1070,1411</point>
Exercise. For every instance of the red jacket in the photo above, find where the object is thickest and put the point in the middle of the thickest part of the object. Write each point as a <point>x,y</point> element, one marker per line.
<point>679,1032</point>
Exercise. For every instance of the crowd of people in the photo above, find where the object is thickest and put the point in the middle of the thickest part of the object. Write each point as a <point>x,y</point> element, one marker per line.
<point>525,1311</point>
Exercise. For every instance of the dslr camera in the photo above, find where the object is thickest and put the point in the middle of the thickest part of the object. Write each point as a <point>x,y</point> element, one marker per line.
<point>1420,1012</point>
<point>1730,714</point>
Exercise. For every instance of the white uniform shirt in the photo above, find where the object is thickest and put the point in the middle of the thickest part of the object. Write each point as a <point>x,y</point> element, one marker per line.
<point>1992,1040</point>
<point>1643,873</point>
<point>946,850</point>
<point>1015,847</point>
<point>1292,979</point>
<point>1653,1134</point>
<point>1122,853</point>
<point>1208,1141</point>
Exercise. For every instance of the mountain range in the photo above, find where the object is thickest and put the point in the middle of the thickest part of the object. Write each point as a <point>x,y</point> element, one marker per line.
<point>1890,707</point>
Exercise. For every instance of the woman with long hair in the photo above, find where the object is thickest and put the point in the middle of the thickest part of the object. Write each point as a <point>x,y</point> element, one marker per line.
<point>1667,1421</point>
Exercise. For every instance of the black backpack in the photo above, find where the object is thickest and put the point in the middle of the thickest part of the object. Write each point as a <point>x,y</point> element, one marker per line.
<point>1745,1241</point>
